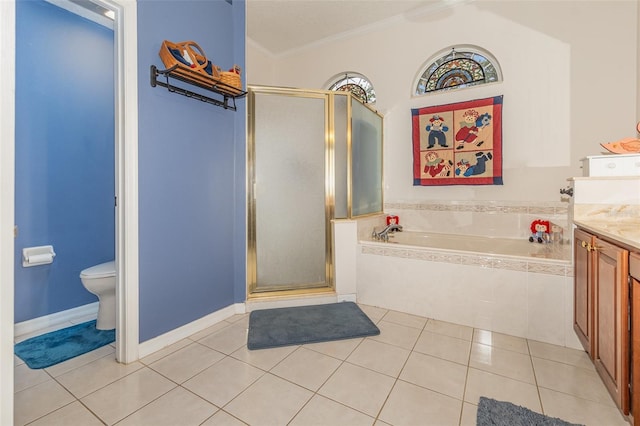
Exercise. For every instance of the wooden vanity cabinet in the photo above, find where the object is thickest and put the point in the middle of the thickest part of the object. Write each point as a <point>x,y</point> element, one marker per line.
<point>583,289</point>
<point>601,310</point>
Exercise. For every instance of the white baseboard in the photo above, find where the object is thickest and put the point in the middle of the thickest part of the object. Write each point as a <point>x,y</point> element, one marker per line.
<point>173,336</point>
<point>41,323</point>
<point>240,308</point>
<point>347,298</point>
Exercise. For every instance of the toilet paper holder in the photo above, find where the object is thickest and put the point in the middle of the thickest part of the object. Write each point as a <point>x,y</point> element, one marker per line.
<point>34,256</point>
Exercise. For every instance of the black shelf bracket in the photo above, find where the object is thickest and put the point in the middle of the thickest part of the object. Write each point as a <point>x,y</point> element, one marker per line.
<point>224,99</point>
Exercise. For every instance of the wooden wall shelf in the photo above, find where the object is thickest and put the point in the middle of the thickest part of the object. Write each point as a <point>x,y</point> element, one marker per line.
<point>218,93</point>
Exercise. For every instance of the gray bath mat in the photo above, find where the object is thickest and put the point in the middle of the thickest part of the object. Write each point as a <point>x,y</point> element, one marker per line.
<point>271,328</point>
<point>501,413</point>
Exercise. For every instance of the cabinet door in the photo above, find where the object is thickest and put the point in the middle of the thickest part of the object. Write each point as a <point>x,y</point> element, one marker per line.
<point>583,289</point>
<point>634,273</point>
<point>611,320</point>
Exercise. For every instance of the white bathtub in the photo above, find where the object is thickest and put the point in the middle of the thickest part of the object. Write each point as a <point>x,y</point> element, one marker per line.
<point>504,247</point>
<point>504,285</point>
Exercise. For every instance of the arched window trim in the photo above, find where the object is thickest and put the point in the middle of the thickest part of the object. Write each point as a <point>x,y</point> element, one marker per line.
<point>437,60</point>
<point>356,79</point>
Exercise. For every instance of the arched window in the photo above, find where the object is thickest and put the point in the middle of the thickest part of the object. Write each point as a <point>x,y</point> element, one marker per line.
<point>457,68</point>
<point>357,84</point>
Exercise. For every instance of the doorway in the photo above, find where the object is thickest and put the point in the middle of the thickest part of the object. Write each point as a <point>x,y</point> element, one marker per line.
<point>123,14</point>
<point>70,179</point>
<point>64,157</point>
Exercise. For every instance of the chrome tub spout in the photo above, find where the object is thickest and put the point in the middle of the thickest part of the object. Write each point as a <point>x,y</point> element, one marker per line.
<point>384,234</point>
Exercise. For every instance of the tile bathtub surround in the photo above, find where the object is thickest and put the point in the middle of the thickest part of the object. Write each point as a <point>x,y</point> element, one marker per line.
<point>508,219</point>
<point>564,269</point>
<point>367,224</point>
<point>530,207</point>
<point>417,371</point>
<point>530,298</point>
<point>526,297</point>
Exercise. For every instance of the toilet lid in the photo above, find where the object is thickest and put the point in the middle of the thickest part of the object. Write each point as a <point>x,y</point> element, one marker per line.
<point>102,270</point>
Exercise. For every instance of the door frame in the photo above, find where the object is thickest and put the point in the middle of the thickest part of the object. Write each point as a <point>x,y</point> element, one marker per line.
<point>126,83</point>
<point>126,117</point>
<point>7,179</point>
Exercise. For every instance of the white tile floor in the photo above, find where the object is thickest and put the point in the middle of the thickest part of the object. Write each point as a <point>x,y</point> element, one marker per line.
<point>418,371</point>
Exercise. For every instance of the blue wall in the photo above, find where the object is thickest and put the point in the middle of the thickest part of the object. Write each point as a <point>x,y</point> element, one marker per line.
<point>64,154</point>
<point>191,173</point>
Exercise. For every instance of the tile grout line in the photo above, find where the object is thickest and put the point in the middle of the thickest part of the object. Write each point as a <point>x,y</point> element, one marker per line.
<point>76,399</point>
<point>397,378</point>
<point>535,378</point>
<point>342,362</point>
<point>547,357</point>
<point>466,377</point>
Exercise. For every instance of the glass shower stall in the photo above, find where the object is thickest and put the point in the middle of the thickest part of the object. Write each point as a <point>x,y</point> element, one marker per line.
<point>313,156</point>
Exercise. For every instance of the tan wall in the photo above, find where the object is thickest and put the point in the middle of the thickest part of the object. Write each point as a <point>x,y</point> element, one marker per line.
<point>570,82</point>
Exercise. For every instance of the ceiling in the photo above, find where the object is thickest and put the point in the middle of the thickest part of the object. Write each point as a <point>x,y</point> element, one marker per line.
<point>281,26</point>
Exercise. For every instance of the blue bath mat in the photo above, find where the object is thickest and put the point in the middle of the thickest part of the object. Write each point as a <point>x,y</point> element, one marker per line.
<point>271,328</point>
<point>60,345</point>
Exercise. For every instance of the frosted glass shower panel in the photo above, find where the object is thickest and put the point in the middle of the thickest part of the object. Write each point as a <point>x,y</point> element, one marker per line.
<point>341,156</point>
<point>366,160</point>
<point>289,191</point>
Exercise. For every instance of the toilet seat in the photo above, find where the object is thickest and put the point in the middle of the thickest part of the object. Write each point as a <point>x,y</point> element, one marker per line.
<point>103,270</point>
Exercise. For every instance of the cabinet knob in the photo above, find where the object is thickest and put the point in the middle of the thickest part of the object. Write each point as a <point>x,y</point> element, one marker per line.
<point>588,246</point>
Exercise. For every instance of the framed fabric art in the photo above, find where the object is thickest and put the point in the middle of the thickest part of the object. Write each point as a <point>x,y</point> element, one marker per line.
<point>458,144</point>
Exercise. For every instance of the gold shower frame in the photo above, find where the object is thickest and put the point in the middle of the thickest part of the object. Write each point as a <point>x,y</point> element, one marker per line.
<point>328,287</point>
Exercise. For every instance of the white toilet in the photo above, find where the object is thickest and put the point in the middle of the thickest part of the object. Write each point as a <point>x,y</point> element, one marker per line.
<point>101,281</point>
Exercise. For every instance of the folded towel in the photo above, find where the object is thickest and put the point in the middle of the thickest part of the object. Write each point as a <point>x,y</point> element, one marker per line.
<point>178,55</point>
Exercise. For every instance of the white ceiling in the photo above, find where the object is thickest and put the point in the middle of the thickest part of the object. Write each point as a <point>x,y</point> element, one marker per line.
<point>281,26</point>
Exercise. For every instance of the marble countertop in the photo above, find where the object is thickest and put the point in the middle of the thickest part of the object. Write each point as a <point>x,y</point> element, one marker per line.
<point>617,222</point>
<point>626,231</point>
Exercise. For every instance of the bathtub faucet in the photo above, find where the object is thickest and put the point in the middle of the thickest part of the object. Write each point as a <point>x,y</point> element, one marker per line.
<point>384,234</point>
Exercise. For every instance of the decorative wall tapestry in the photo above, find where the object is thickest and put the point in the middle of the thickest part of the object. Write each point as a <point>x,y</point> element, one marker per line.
<point>458,144</point>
